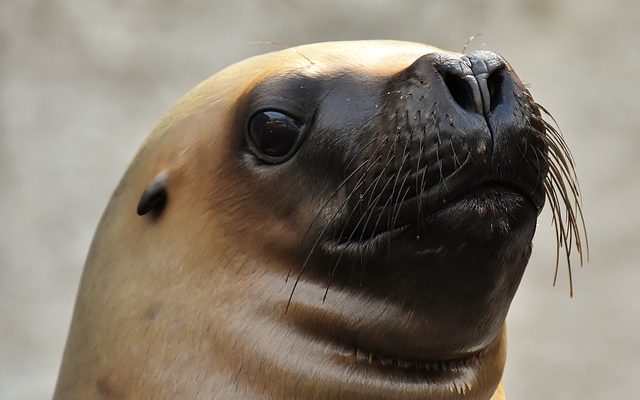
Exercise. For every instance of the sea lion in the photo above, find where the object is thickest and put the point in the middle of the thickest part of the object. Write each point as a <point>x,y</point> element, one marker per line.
<point>345,220</point>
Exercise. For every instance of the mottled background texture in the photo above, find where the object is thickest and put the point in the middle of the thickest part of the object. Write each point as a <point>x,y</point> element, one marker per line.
<point>83,82</point>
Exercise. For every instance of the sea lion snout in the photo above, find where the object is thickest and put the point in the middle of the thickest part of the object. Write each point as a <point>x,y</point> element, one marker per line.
<point>452,124</point>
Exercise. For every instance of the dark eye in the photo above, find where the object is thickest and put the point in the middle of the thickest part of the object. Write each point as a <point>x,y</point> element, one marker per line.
<point>274,136</point>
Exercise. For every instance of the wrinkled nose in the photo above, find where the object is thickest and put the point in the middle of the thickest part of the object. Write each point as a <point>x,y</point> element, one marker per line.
<point>475,81</point>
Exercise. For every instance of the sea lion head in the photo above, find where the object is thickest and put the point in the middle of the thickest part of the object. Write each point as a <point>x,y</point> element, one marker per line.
<point>338,220</point>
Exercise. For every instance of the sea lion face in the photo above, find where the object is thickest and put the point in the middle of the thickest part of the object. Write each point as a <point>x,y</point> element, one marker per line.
<point>342,220</point>
<point>409,191</point>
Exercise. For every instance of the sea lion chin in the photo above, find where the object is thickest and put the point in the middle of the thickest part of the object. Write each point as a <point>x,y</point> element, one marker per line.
<point>345,220</point>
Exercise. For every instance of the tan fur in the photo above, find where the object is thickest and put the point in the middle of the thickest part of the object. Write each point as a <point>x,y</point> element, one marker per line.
<point>188,306</point>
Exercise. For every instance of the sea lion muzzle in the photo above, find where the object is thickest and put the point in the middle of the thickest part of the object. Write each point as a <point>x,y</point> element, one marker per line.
<point>450,126</point>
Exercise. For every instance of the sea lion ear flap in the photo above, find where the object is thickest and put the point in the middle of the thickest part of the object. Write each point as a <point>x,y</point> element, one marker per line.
<point>154,196</point>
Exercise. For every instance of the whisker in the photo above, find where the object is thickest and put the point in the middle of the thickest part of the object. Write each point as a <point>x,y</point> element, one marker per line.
<point>562,189</point>
<point>354,230</point>
<point>418,187</point>
<point>371,208</point>
<point>405,156</point>
<point>335,267</point>
<point>395,218</point>
<point>364,147</point>
<point>344,182</point>
<point>375,226</point>
<point>320,235</point>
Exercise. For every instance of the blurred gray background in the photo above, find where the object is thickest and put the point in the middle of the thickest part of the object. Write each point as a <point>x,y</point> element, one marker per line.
<point>82,82</point>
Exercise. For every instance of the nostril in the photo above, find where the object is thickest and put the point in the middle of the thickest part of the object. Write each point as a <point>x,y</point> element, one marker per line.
<point>460,91</point>
<point>494,85</point>
<point>478,82</point>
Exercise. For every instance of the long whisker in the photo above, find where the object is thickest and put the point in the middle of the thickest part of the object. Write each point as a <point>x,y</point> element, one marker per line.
<point>375,226</point>
<point>335,267</point>
<point>562,190</point>
<point>344,182</point>
<point>405,157</point>
<point>355,228</point>
<point>322,232</point>
<point>417,182</point>
<point>395,218</point>
<point>371,209</point>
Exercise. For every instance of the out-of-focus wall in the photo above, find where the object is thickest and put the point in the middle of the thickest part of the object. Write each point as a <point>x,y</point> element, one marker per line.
<point>82,82</point>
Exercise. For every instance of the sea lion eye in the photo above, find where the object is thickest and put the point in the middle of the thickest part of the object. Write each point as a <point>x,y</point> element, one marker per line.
<point>274,136</point>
